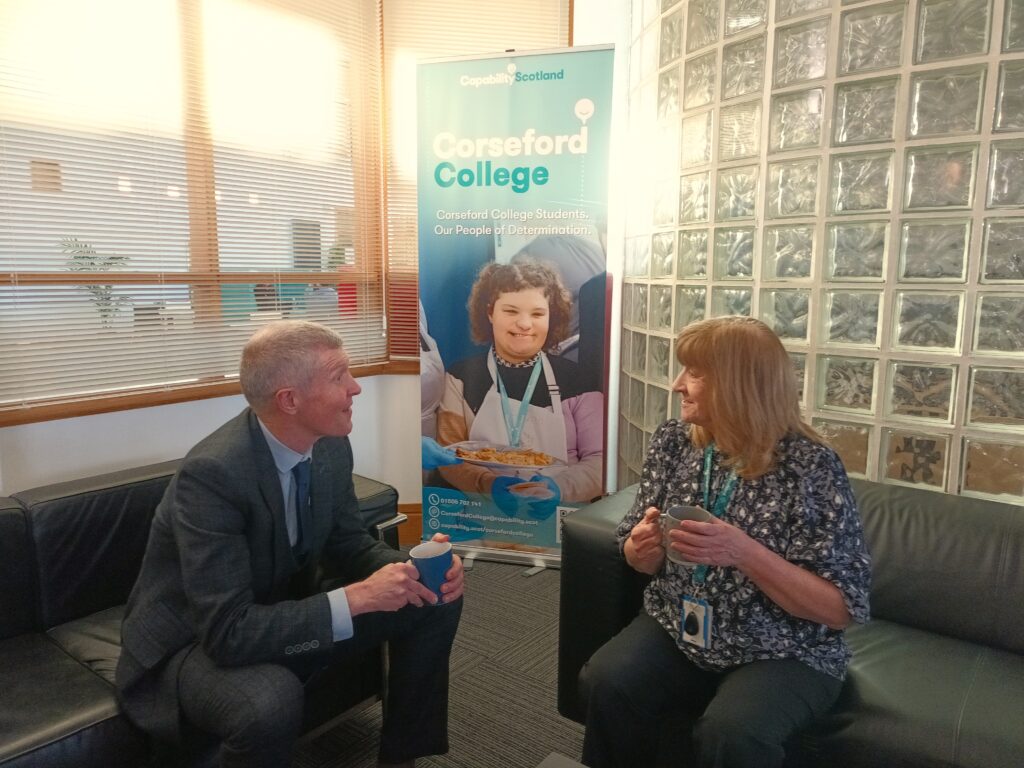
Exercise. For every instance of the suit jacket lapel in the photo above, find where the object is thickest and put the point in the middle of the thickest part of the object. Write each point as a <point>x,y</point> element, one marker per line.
<point>320,485</point>
<point>273,502</point>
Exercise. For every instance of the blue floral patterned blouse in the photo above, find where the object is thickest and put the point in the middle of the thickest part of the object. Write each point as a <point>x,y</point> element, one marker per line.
<point>803,509</point>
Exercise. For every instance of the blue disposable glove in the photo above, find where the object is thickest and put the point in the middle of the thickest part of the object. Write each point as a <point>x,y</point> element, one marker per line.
<point>542,509</point>
<point>506,501</point>
<point>434,456</point>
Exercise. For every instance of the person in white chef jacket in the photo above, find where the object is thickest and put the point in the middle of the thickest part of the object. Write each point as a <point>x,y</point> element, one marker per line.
<point>516,394</point>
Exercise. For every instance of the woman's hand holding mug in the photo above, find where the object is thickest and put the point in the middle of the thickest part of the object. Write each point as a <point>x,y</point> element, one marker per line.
<point>643,549</point>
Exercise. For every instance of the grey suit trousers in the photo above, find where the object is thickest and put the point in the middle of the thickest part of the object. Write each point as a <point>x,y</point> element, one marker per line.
<point>256,711</point>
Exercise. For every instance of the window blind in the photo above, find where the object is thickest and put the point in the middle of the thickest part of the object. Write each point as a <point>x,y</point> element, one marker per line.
<point>173,174</point>
<point>426,29</point>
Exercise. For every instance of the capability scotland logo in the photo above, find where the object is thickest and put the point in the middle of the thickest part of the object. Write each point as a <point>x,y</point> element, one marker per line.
<point>511,75</point>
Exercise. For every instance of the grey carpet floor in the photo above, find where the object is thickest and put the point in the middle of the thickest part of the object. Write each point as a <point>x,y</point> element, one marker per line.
<point>502,711</point>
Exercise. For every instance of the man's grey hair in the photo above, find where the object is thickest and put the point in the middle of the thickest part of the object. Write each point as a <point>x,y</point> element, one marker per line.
<point>282,354</point>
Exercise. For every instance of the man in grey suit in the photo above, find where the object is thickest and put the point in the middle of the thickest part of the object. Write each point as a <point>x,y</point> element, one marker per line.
<point>216,633</point>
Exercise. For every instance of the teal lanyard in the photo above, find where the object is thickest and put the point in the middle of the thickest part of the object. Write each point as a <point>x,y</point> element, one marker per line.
<point>515,428</point>
<point>720,504</point>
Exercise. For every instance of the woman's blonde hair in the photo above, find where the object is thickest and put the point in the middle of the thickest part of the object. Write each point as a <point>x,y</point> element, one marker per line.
<point>751,386</point>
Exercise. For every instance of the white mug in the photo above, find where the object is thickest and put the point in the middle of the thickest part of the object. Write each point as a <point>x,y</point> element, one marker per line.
<point>671,519</point>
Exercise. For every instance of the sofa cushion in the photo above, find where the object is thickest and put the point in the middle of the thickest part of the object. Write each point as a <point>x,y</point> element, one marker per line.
<point>949,564</point>
<point>66,715</point>
<point>93,640</point>
<point>917,698</point>
<point>89,537</point>
<point>17,586</point>
<point>992,726</point>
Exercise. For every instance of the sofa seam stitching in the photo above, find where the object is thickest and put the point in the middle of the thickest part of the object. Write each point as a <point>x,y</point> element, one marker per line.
<point>1000,584</point>
<point>979,662</point>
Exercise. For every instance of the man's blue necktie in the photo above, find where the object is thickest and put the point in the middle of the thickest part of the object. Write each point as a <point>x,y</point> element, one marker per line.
<point>303,519</point>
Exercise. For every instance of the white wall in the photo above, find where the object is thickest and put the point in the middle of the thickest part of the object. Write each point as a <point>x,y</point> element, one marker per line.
<point>385,436</point>
<point>599,22</point>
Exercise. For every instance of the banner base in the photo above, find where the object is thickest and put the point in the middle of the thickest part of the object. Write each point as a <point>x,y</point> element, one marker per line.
<point>491,555</point>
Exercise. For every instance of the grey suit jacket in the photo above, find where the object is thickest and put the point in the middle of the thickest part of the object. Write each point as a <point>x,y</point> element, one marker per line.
<point>218,566</point>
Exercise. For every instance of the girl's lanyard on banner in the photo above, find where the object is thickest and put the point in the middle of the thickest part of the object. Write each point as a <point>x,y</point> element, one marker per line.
<point>720,504</point>
<point>515,428</point>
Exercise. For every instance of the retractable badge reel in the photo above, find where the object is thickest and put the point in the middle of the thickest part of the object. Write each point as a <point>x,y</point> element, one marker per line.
<point>696,622</point>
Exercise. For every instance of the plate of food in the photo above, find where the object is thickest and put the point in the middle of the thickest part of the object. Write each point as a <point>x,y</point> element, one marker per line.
<point>488,454</point>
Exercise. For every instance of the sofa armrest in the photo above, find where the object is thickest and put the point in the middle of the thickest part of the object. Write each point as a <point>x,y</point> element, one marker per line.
<point>378,504</point>
<point>383,528</point>
<point>600,593</point>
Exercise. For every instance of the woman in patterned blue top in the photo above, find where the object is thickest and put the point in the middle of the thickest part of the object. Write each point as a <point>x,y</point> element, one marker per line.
<point>749,642</point>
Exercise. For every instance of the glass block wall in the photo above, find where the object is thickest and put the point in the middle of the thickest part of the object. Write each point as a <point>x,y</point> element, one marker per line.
<point>853,174</point>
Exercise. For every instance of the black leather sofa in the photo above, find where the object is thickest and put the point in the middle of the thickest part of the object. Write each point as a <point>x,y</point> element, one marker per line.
<point>69,555</point>
<point>937,677</point>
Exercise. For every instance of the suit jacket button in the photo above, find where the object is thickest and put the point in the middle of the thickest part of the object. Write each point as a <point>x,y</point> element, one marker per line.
<point>315,644</point>
<point>306,646</point>
<point>289,650</point>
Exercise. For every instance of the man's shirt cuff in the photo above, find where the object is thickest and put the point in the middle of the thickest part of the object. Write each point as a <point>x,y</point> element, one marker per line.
<point>341,616</point>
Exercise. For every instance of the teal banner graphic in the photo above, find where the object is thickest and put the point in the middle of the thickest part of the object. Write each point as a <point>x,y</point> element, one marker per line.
<point>512,177</point>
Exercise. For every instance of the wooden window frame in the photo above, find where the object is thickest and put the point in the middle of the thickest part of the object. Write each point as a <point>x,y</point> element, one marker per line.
<point>204,276</point>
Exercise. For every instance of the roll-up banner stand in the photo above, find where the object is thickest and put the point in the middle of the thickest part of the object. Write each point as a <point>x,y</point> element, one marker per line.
<point>513,153</point>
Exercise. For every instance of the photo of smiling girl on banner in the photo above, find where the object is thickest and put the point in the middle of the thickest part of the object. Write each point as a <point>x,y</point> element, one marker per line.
<point>518,395</point>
